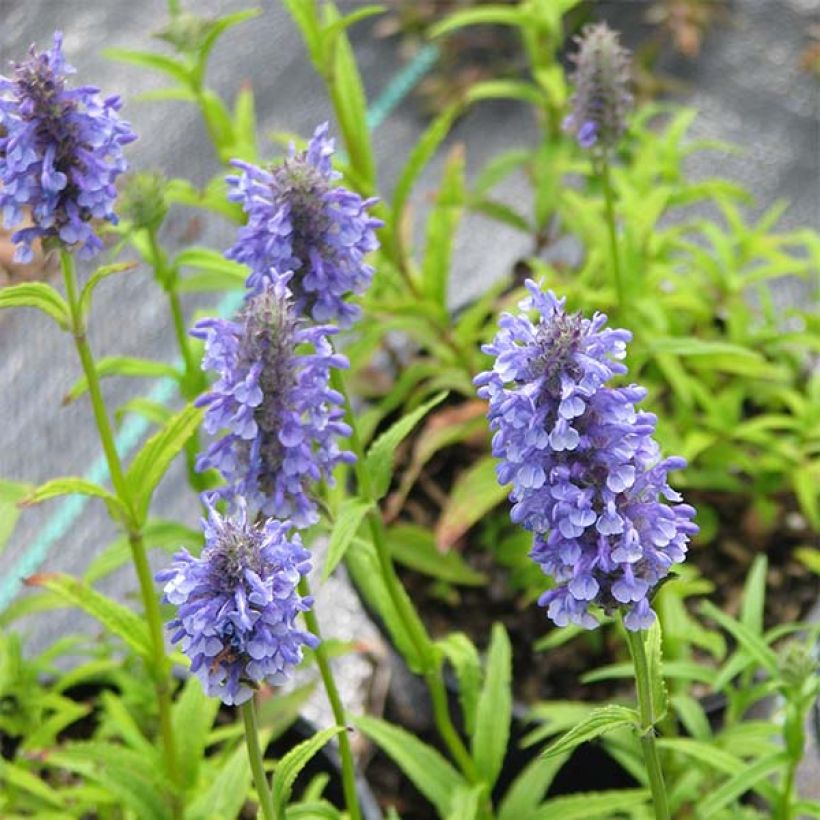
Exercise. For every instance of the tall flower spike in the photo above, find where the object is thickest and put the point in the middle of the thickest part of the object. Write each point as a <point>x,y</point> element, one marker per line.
<point>602,101</point>
<point>586,473</point>
<point>279,418</point>
<point>60,152</point>
<point>237,604</point>
<point>299,221</point>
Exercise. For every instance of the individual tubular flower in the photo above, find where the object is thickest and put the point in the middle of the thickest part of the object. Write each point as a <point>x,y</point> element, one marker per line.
<point>602,101</point>
<point>279,418</point>
<point>299,221</point>
<point>586,473</point>
<point>237,604</point>
<point>60,152</point>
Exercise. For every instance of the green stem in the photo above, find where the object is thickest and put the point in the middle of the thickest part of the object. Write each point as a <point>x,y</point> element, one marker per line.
<point>345,752</point>
<point>194,382</point>
<point>255,756</point>
<point>648,720</point>
<point>609,205</point>
<point>158,664</point>
<point>402,604</point>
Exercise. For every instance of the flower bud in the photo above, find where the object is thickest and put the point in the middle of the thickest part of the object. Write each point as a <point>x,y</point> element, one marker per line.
<point>602,101</point>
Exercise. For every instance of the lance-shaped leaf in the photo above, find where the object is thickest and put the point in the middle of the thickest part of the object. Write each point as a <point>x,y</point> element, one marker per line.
<point>598,722</point>
<point>156,455</point>
<point>118,619</point>
<point>123,366</point>
<point>101,273</point>
<point>40,296</point>
<point>74,485</point>
<point>288,768</point>
<point>379,461</point>
<point>429,772</point>
<point>492,727</point>
<point>347,523</point>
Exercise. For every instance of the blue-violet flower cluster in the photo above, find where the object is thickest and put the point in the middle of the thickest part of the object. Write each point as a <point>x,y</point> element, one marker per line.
<point>237,604</point>
<point>61,149</point>
<point>299,221</point>
<point>602,100</point>
<point>585,470</point>
<point>272,403</point>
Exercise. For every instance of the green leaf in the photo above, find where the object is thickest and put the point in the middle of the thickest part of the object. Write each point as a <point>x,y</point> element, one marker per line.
<point>350,106</point>
<point>192,717</point>
<point>124,366</point>
<point>414,547</point>
<point>225,794</point>
<point>555,716</point>
<point>429,772</point>
<point>591,805</point>
<point>305,16</point>
<point>748,640</point>
<point>11,493</point>
<point>599,721</point>
<point>806,485</point>
<point>153,411</point>
<point>492,728</point>
<point>528,789</point>
<point>73,485</point>
<point>149,59</point>
<point>673,670</point>
<point>379,460</point>
<point>475,493</point>
<point>754,596</point>
<point>244,124</point>
<point>442,225</point>
<point>363,565</point>
<point>13,774</point>
<point>288,768</point>
<point>466,802</point>
<point>123,772</point>
<point>37,295</point>
<point>505,90</point>
<point>219,122</point>
<point>212,261</point>
<point>462,654</point>
<point>332,30</point>
<point>158,533</point>
<point>101,273</point>
<point>118,619</point>
<point>482,15</point>
<point>420,155</point>
<point>752,774</point>
<point>692,716</point>
<point>217,29</point>
<point>347,523</point>
<point>156,455</point>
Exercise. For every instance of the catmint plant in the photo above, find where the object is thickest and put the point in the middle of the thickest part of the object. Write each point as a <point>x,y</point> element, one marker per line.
<point>600,107</point>
<point>280,417</point>
<point>602,100</point>
<point>300,221</point>
<point>237,603</point>
<point>236,613</point>
<point>61,149</point>
<point>586,473</point>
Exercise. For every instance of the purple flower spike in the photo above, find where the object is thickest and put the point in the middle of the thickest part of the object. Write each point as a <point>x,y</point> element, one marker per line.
<point>279,418</point>
<point>602,100</point>
<point>60,152</point>
<point>299,221</point>
<point>237,604</point>
<point>585,470</point>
